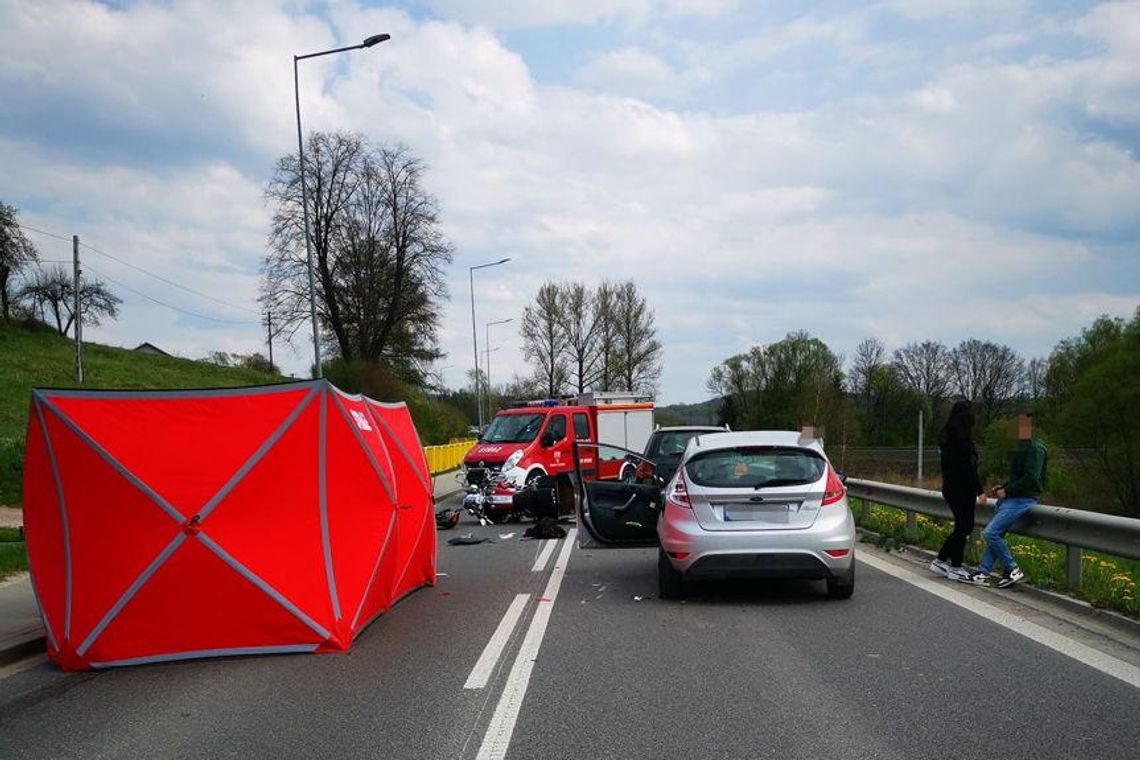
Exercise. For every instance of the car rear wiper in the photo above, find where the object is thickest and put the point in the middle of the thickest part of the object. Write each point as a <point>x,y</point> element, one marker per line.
<point>777,482</point>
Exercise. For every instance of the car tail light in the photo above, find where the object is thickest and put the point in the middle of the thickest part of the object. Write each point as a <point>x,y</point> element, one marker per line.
<point>678,555</point>
<point>834,490</point>
<point>679,494</point>
<point>836,552</point>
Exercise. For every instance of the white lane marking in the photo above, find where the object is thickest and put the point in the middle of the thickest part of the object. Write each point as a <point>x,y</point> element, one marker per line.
<point>481,673</point>
<point>1082,653</point>
<point>498,736</point>
<point>544,556</point>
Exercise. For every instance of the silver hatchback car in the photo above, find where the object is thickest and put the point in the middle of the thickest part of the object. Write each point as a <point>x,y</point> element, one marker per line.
<point>750,504</point>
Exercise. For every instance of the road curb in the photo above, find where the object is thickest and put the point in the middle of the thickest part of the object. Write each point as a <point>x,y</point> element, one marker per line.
<point>1079,606</point>
<point>22,650</point>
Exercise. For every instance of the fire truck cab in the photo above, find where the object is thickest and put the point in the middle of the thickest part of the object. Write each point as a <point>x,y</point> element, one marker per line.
<point>544,432</point>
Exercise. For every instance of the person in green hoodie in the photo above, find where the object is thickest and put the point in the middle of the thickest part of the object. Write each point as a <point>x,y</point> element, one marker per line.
<point>1015,497</point>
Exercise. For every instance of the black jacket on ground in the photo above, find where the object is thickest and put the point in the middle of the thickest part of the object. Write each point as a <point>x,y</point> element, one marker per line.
<point>959,466</point>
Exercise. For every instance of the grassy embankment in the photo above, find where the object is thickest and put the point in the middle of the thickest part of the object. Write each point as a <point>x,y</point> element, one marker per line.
<point>31,359</point>
<point>1106,581</point>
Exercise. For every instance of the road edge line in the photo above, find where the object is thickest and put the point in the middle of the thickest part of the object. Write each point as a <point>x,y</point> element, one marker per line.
<point>1082,653</point>
<point>544,555</point>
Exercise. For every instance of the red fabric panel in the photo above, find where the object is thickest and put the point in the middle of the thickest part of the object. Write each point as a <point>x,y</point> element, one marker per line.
<point>415,548</point>
<point>270,521</point>
<point>194,602</point>
<point>43,528</point>
<point>359,510</point>
<point>116,531</point>
<point>192,446</point>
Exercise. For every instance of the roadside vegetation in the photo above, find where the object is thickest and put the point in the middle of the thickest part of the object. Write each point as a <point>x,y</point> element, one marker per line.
<point>1106,581</point>
<point>13,558</point>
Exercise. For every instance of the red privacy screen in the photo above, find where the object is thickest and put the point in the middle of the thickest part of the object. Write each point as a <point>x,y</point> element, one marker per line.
<point>165,525</point>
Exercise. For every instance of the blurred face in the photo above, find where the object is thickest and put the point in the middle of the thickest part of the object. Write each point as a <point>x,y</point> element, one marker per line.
<point>1021,428</point>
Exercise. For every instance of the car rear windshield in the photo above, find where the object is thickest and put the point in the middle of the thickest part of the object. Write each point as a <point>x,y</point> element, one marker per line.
<point>670,443</point>
<point>755,467</point>
<point>513,428</point>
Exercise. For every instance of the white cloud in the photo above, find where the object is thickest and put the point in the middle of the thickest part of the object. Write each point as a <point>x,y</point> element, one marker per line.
<point>527,13</point>
<point>934,212</point>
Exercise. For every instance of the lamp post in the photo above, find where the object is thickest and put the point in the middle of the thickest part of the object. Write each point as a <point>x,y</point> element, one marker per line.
<point>368,42</point>
<point>487,368</point>
<point>474,331</point>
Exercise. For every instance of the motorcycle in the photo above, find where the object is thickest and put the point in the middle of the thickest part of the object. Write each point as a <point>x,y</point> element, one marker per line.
<point>497,499</point>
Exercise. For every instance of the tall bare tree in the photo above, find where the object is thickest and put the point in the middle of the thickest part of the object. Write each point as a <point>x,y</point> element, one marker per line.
<point>53,291</point>
<point>638,350</point>
<point>870,355</point>
<point>987,373</point>
<point>544,339</point>
<point>580,327</point>
<point>378,251</point>
<point>16,253</point>
<point>924,367</point>
<point>603,309</point>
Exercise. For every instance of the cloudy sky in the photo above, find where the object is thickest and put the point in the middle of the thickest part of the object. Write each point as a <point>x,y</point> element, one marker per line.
<point>906,169</point>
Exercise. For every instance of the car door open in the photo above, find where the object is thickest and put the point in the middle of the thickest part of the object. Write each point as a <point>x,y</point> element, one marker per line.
<point>613,513</point>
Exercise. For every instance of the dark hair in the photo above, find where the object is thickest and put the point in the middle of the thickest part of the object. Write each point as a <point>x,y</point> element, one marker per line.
<point>960,424</point>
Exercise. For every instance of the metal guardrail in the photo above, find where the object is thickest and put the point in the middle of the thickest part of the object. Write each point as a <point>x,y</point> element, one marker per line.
<point>1076,529</point>
<point>446,457</point>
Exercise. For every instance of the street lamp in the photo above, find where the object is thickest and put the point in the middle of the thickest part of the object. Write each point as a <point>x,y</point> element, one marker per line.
<point>368,42</point>
<point>474,332</point>
<point>487,369</point>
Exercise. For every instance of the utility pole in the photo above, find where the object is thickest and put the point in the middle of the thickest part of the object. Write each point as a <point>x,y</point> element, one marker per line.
<point>269,335</point>
<point>78,313</point>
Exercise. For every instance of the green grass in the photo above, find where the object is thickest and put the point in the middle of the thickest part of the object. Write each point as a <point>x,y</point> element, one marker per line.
<point>13,559</point>
<point>1106,581</point>
<point>31,359</point>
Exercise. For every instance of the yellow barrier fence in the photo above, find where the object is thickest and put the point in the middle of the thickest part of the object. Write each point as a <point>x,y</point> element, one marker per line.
<point>448,456</point>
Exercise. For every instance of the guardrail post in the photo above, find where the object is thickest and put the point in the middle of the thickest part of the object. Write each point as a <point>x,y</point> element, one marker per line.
<point>1073,566</point>
<point>911,522</point>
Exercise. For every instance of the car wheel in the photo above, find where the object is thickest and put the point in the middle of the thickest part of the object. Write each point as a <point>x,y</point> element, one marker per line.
<point>842,586</point>
<point>670,581</point>
<point>626,475</point>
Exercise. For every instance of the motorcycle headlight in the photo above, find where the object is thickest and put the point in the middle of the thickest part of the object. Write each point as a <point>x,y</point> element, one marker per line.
<point>513,460</point>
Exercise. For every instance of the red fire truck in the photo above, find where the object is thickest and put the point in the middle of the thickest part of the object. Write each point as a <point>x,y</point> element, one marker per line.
<point>536,439</point>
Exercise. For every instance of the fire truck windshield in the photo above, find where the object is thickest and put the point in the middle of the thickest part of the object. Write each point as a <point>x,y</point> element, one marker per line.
<point>513,428</point>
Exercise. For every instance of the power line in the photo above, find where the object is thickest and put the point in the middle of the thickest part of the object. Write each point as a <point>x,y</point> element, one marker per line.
<point>167,281</point>
<point>150,274</point>
<point>170,306</point>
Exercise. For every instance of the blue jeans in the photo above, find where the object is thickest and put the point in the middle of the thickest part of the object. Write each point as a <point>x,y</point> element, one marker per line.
<point>1005,514</point>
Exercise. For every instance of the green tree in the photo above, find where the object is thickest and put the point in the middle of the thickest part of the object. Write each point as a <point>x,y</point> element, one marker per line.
<point>1095,380</point>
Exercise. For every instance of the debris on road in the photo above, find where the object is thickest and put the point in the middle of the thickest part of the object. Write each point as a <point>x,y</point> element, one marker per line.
<point>505,536</point>
<point>467,539</point>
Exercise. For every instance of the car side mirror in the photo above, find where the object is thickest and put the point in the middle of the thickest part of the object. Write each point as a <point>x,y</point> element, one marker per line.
<point>547,440</point>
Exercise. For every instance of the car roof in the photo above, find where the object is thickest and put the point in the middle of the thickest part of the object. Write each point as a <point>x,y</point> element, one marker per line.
<point>689,428</point>
<point>732,439</point>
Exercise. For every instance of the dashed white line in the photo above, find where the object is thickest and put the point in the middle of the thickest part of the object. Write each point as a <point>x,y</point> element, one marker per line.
<point>1082,653</point>
<point>485,665</point>
<point>498,736</point>
<point>543,556</point>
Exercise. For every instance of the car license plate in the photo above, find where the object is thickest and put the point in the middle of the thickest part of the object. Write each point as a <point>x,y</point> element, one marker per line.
<point>768,513</point>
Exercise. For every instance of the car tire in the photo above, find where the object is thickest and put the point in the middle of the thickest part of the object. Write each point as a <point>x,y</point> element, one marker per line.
<point>670,580</point>
<point>842,586</point>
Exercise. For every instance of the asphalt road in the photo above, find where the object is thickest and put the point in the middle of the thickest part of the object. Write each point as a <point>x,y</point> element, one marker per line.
<point>732,672</point>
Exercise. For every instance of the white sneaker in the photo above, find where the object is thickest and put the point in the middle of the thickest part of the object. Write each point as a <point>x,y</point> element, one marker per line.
<point>939,567</point>
<point>959,574</point>
<point>1010,578</point>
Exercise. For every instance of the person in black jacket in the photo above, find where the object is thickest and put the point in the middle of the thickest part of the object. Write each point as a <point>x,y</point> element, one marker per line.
<point>961,487</point>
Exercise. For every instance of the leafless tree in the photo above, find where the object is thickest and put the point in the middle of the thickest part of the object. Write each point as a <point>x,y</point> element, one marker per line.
<point>544,340</point>
<point>1034,386</point>
<point>16,253</point>
<point>603,310</point>
<point>378,251</point>
<point>580,327</point>
<point>987,373</point>
<point>53,291</point>
<point>924,367</point>
<point>638,350</point>
<point>870,354</point>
